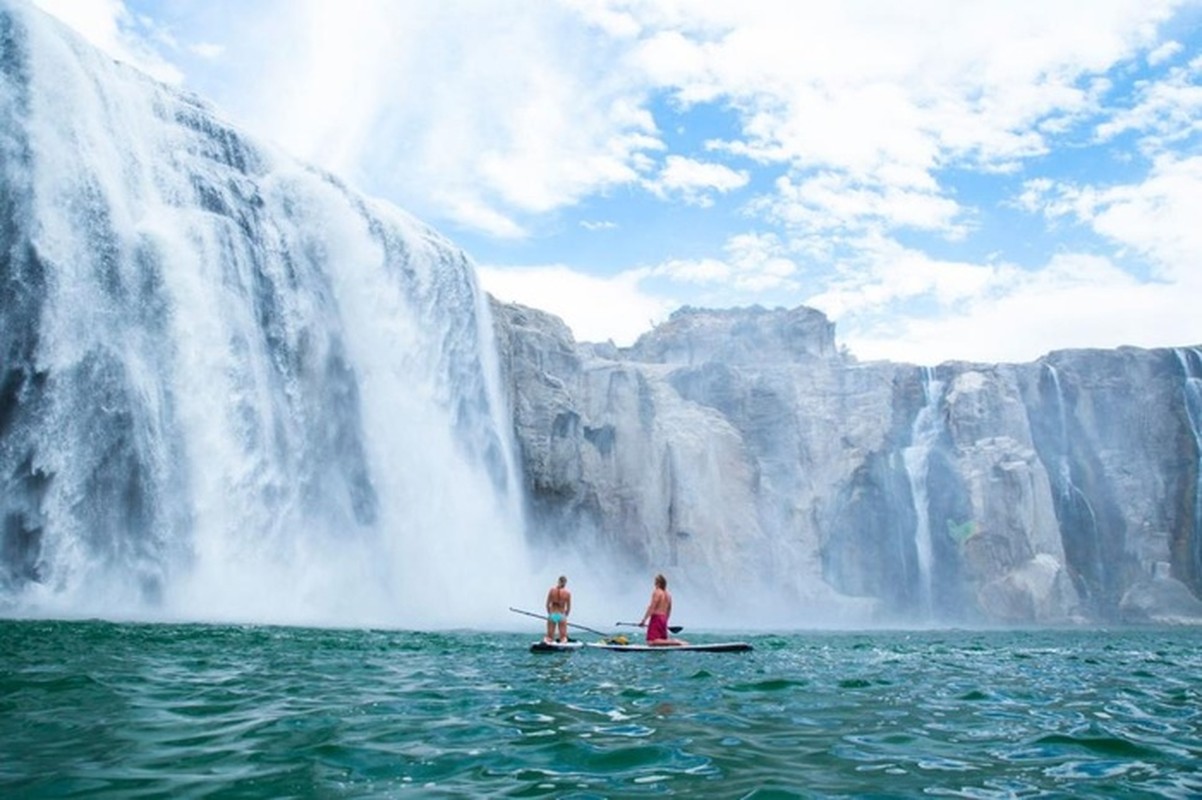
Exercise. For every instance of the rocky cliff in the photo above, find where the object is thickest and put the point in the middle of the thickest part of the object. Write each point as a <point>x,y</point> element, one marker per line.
<point>741,452</point>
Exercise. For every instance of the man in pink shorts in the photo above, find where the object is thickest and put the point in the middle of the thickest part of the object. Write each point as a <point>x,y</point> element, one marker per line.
<point>655,618</point>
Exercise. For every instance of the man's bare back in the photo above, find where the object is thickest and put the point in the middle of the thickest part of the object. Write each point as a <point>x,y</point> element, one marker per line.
<point>655,618</point>
<point>558,599</point>
<point>661,602</point>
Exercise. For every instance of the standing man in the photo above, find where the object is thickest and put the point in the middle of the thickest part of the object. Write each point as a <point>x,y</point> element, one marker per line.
<point>655,618</point>
<point>559,605</point>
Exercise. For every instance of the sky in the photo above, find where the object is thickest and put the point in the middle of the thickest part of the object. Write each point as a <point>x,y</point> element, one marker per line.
<point>944,179</point>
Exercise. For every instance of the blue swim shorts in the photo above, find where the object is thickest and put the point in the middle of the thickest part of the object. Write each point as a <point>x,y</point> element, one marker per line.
<point>556,617</point>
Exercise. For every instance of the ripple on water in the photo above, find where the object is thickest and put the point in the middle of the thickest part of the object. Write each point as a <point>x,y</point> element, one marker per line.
<point>766,685</point>
<point>1060,744</point>
<point>178,711</point>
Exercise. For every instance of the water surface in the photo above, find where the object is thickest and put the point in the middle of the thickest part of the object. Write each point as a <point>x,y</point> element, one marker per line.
<point>97,709</point>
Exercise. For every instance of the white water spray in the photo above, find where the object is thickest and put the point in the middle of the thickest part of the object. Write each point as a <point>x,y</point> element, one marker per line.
<point>267,398</point>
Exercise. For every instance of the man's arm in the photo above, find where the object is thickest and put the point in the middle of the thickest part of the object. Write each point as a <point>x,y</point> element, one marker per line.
<point>567,602</point>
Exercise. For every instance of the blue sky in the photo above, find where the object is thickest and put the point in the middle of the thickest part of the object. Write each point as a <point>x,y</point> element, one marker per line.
<point>986,181</point>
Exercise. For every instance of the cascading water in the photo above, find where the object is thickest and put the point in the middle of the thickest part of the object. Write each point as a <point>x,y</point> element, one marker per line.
<point>924,434</point>
<point>1073,506</point>
<point>1069,491</point>
<point>230,387</point>
<point>1191,370</point>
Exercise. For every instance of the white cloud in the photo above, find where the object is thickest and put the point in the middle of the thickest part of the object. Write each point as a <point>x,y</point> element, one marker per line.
<point>596,309</point>
<point>1164,53</point>
<point>622,308</point>
<point>1156,218</point>
<point>1002,312</point>
<point>207,50</point>
<point>854,114</point>
<point>877,100</point>
<point>754,263</point>
<point>699,270</point>
<point>1077,301</point>
<point>886,275</point>
<point>467,208</point>
<point>1035,196</point>
<point>694,180</point>
<point>486,119</point>
<point>110,27</point>
<point>616,22</point>
<point>761,262</point>
<point>493,119</point>
<point>1168,111</point>
<point>834,201</point>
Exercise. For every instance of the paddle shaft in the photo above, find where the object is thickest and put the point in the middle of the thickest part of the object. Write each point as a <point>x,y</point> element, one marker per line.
<point>572,624</point>
<point>672,628</point>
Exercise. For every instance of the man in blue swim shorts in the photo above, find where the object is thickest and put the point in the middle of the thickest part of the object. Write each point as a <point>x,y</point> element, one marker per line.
<point>559,605</point>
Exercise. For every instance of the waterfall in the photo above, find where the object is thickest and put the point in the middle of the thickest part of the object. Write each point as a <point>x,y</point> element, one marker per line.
<point>924,435</point>
<point>1069,492</point>
<point>1191,370</point>
<point>1072,504</point>
<point>232,388</point>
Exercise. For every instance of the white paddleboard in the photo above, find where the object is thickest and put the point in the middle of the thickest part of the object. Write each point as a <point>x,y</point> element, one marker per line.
<point>555,647</point>
<point>706,647</point>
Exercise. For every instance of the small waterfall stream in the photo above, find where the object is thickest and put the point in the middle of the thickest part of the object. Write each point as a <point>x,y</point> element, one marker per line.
<point>924,434</point>
<point>1069,491</point>
<point>1075,513</point>
<point>1191,370</point>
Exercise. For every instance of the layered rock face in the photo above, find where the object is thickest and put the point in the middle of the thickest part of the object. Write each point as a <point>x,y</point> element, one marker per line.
<point>741,452</point>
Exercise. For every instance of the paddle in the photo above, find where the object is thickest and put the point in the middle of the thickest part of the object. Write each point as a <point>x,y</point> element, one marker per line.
<point>543,617</point>
<point>673,628</point>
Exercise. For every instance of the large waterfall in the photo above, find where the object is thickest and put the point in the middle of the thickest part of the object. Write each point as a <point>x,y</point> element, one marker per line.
<point>230,388</point>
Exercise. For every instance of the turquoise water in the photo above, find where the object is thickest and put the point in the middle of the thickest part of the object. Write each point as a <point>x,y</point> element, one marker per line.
<point>96,709</point>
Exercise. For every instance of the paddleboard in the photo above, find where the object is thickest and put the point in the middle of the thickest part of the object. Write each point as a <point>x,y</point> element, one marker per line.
<point>706,647</point>
<point>555,647</point>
